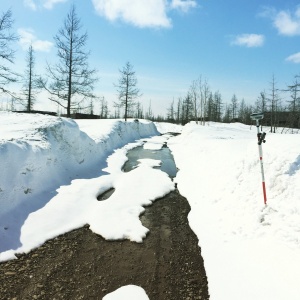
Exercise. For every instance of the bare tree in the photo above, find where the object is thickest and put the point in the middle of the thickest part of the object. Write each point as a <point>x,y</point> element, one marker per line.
<point>117,111</point>
<point>195,97</point>
<point>227,113</point>
<point>294,105</point>
<point>30,86</point>
<point>210,111</point>
<point>149,113</point>
<point>204,92</point>
<point>139,110</point>
<point>273,101</point>
<point>242,112</point>
<point>199,94</point>
<point>127,89</point>
<point>72,81</point>
<point>179,110</point>
<point>171,112</point>
<point>218,106</point>
<point>103,108</point>
<point>261,102</point>
<point>6,52</point>
<point>234,106</point>
<point>91,107</point>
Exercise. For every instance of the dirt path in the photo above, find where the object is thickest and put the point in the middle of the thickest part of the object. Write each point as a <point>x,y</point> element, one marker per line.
<point>82,265</point>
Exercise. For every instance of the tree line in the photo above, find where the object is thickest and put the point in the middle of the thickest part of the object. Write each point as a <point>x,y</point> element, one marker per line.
<point>69,82</point>
<point>281,107</point>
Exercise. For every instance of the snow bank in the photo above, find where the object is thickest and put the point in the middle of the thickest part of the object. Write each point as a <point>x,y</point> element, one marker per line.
<point>164,127</point>
<point>115,218</point>
<point>40,153</point>
<point>250,251</point>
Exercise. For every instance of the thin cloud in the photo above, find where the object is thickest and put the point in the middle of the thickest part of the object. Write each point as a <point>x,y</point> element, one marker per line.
<point>267,12</point>
<point>141,13</point>
<point>27,38</point>
<point>30,4</point>
<point>184,6</point>
<point>287,23</point>
<point>294,58</point>
<point>249,40</point>
<point>48,4</point>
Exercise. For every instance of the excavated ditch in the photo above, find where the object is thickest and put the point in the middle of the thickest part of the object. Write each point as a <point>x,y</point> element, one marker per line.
<point>82,265</point>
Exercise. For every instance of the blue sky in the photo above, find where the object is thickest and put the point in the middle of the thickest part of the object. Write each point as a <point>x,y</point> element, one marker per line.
<point>237,45</point>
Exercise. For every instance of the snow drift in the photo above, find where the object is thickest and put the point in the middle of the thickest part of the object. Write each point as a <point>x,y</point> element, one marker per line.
<point>250,251</point>
<point>40,153</point>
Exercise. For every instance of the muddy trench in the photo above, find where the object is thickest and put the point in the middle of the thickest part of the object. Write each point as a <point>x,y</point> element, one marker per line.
<point>82,265</point>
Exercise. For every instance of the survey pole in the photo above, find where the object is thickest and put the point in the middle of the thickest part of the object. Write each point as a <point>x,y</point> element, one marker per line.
<point>261,139</point>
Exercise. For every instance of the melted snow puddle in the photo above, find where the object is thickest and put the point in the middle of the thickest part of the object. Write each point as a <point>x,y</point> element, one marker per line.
<point>135,155</point>
<point>164,155</point>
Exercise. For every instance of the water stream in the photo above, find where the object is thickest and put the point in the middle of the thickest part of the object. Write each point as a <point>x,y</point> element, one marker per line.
<point>164,155</point>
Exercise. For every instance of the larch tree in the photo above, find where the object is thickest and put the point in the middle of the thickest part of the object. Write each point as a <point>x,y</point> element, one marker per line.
<point>227,113</point>
<point>218,106</point>
<point>242,112</point>
<point>171,112</point>
<point>179,110</point>
<point>211,107</point>
<point>261,105</point>
<point>30,85</point>
<point>139,110</point>
<point>261,102</point>
<point>103,108</point>
<point>294,104</point>
<point>195,97</point>
<point>149,113</point>
<point>234,106</point>
<point>6,52</point>
<point>187,110</point>
<point>204,92</point>
<point>273,101</point>
<point>71,79</point>
<point>127,89</point>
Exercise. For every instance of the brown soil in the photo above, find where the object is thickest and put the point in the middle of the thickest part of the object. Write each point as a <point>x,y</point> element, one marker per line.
<point>82,265</point>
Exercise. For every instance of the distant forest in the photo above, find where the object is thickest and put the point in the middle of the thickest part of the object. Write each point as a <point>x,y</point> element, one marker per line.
<point>70,83</point>
<point>281,107</point>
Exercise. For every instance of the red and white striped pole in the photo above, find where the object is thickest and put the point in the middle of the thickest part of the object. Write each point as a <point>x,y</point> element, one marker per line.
<point>261,139</point>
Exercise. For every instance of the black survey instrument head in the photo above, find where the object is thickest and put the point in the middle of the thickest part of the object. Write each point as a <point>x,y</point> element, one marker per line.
<point>257,116</point>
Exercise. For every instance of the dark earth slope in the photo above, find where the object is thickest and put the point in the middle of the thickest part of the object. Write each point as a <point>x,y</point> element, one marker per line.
<point>82,265</point>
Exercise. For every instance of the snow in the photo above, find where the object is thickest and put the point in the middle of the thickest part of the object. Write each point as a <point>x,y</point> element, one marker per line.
<point>40,155</point>
<point>250,251</point>
<point>156,143</point>
<point>53,169</point>
<point>131,292</point>
<point>164,127</point>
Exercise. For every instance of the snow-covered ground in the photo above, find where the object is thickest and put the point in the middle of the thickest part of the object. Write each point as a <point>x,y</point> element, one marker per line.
<point>250,251</point>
